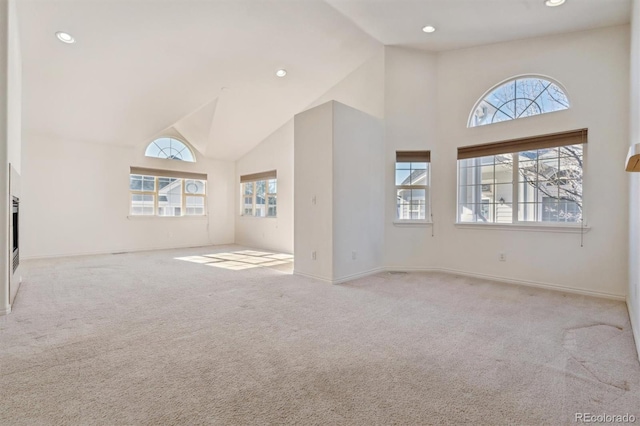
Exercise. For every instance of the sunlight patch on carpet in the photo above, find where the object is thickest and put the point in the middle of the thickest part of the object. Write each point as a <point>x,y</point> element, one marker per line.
<point>241,260</point>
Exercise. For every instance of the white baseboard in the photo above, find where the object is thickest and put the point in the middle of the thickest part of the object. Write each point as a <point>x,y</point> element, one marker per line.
<point>556,287</point>
<point>117,251</point>
<point>635,327</point>
<point>358,275</point>
<point>341,279</point>
<point>314,277</point>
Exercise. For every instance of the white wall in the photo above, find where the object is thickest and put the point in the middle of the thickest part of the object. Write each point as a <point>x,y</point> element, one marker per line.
<point>14,75</point>
<point>363,89</point>
<point>593,67</point>
<point>358,192</point>
<point>271,233</point>
<point>4,174</point>
<point>339,192</point>
<point>77,201</point>
<point>633,295</point>
<point>313,183</point>
<point>410,120</point>
<point>10,129</point>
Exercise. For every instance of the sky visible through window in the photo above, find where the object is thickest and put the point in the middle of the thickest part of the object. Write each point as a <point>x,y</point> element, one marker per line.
<point>518,98</point>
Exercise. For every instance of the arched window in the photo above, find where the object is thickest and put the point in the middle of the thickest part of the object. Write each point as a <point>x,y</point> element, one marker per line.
<point>170,149</point>
<point>517,98</point>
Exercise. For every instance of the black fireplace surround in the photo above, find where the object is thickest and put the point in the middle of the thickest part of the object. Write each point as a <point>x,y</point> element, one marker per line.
<point>14,217</point>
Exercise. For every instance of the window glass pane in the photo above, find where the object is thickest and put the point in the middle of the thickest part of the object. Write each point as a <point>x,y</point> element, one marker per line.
<point>248,188</point>
<point>169,148</point>
<point>273,186</point>
<point>528,212</point>
<point>404,203</point>
<point>192,186</point>
<point>194,205</point>
<point>148,183</point>
<point>169,196</point>
<point>521,97</point>
<point>402,177</point>
<point>474,213</point>
<point>418,176</point>
<point>142,204</point>
<point>503,193</point>
<point>261,187</point>
<point>135,183</point>
<point>260,207</point>
<point>272,207</point>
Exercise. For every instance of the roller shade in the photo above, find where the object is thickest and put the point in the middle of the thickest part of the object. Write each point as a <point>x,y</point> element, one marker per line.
<point>167,173</point>
<point>552,140</point>
<point>272,174</point>
<point>413,156</point>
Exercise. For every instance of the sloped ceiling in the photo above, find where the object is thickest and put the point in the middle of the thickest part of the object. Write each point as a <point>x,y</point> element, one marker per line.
<point>206,68</point>
<point>140,66</point>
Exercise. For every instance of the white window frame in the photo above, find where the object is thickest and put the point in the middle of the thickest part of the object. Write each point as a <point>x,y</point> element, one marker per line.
<point>427,188</point>
<point>517,224</point>
<point>267,197</point>
<point>156,196</point>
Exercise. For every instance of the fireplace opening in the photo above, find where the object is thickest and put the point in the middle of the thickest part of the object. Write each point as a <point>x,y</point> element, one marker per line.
<point>15,217</point>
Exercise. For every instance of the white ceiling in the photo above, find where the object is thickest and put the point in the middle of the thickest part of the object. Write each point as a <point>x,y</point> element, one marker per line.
<point>207,66</point>
<point>465,23</point>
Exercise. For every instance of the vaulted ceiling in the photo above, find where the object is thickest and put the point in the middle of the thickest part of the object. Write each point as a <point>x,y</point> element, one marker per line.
<point>207,67</point>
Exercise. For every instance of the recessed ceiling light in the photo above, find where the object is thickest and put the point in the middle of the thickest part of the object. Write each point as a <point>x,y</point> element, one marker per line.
<point>65,37</point>
<point>554,3</point>
<point>281,73</point>
<point>428,29</point>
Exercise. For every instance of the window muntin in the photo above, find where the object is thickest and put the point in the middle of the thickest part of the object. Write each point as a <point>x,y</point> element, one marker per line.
<point>170,149</point>
<point>412,190</point>
<point>166,196</point>
<point>543,185</point>
<point>517,98</point>
<point>259,198</point>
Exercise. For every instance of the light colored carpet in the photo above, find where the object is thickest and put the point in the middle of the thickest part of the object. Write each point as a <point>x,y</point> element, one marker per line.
<point>146,339</point>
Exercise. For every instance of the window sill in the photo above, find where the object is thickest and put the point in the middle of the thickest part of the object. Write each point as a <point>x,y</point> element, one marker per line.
<point>153,217</point>
<point>535,227</point>
<point>412,223</point>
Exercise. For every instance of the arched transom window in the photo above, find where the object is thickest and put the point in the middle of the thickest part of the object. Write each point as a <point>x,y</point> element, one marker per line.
<point>169,148</point>
<point>517,98</point>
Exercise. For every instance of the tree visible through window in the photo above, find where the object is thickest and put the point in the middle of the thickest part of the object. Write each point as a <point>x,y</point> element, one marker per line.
<point>517,98</point>
<point>540,183</point>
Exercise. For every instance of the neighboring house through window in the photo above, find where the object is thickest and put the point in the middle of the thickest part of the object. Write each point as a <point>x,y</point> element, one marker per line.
<point>259,194</point>
<point>412,185</point>
<point>166,193</point>
<point>535,179</point>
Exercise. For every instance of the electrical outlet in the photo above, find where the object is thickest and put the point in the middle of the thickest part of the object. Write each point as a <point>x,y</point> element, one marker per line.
<point>353,255</point>
<point>502,257</point>
<point>313,255</point>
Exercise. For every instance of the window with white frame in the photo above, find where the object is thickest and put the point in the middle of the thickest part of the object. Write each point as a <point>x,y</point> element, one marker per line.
<point>259,193</point>
<point>517,98</point>
<point>537,179</point>
<point>170,149</point>
<point>412,185</point>
<point>166,193</point>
